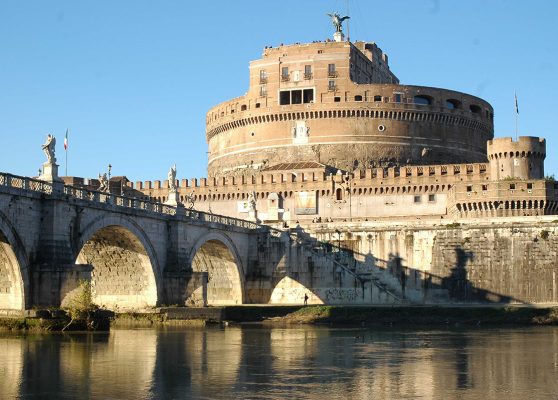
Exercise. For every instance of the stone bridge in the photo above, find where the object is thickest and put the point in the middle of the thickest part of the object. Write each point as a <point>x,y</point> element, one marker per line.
<point>139,254</point>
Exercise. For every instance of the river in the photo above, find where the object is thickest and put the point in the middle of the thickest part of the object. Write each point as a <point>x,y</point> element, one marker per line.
<point>306,362</point>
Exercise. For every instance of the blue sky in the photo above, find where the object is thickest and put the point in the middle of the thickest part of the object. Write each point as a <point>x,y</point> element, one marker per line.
<point>132,80</point>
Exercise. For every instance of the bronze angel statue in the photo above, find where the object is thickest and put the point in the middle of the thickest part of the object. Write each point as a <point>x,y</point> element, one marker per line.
<point>337,21</point>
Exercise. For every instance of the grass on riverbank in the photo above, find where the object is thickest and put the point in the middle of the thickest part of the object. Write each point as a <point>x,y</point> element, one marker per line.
<point>421,316</point>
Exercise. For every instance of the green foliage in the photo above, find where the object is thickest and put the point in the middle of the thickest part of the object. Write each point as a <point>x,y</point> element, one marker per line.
<point>544,234</point>
<point>81,303</point>
<point>453,225</point>
<point>550,178</point>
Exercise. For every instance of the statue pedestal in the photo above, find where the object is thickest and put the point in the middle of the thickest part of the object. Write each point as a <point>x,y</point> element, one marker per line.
<point>173,200</point>
<point>338,36</point>
<point>50,173</point>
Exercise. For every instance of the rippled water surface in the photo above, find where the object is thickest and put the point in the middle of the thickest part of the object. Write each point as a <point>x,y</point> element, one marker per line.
<point>274,363</point>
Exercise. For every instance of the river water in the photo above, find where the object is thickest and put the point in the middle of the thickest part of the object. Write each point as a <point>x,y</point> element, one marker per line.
<point>254,362</point>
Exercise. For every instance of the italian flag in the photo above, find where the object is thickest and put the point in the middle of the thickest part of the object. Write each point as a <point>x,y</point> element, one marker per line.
<point>66,141</point>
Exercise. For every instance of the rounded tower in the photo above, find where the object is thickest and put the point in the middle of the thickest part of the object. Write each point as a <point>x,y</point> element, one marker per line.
<point>339,104</point>
<point>521,159</point>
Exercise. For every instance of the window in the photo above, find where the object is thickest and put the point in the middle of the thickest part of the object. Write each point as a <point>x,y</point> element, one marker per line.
<point>529,186</point>
<point>331,85</point>
<point>358,97</point>
<point>307,72</point>
<point>257,105</point>
<point>339,194</point>
<point>263,91</point>
<point>337,99</point>
<point>284,97</point>
<point>285,73</point>
<point>243,107</point>
<point>452,104</point>
<point>431,198</point>
<point>397,97</point>
<point>331,71</point>
<point>484,188</point>
<point>422,100</point>
<point>469,188</point>
<point>416,199</point>
<point>512,186</point>
<point>308,96</point>
<point>296,97</point>
<point>377,99</point>
<point>475,109</point>
<point>263,76</point>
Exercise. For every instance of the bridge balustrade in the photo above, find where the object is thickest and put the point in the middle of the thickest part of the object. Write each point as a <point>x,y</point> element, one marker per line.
<point>19,182</point>
<point>36,185</point>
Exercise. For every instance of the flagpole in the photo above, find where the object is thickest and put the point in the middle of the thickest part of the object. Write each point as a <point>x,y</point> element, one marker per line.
<point>66,151</point>
<point>516,114</point>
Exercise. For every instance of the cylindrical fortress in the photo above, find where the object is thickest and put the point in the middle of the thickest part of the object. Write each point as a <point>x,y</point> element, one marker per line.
<point>522,159</point>
<point>338,104</point>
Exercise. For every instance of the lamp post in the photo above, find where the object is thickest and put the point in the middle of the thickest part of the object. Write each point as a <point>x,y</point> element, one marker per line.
<point>108,183</point>
<point>338,243</point>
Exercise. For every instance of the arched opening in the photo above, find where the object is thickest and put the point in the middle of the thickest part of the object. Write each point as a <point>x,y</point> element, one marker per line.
<point>453,104</point>
<point>123,276</point>
<point>339,194</point>
<point>475,109</point>
<point>422,100</point>
<point>290,291</point>
<point>224,284</point>
<point>11,284</point>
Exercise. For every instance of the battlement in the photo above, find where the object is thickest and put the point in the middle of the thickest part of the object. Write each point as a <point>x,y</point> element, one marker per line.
<point>525,146</point>
<point>319,179</point>
<point>510,197</point>
<point>523,159</point>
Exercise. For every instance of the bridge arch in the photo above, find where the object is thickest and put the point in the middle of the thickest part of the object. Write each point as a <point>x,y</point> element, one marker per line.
<point>216,254</point>
<point>14,273</point>
<point>125,273</point>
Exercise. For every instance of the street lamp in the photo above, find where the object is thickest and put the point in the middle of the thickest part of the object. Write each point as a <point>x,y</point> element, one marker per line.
<point>108,183</point>
<point>338,242</point>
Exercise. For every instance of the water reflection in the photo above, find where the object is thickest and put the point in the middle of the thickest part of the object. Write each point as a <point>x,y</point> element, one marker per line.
<point>306,362</point>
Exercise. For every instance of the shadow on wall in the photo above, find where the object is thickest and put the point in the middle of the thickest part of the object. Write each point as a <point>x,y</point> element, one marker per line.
<point>412,284</point>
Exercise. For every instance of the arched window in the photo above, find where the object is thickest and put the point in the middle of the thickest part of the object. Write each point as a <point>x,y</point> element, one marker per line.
<point>475,109</point>
<point>377,99</point>
<point>358,97</point>
<point>339,194</point>
<point>422,100</point>
<point>452,104</point>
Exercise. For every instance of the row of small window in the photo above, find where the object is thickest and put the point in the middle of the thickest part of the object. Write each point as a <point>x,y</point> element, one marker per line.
<point>285,76</point>
<point>512,187</point>
<point>451,104</point>
<point>431,198</point>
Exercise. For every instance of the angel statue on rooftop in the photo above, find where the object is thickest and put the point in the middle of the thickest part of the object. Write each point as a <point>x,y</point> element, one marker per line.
<point>337,21</point>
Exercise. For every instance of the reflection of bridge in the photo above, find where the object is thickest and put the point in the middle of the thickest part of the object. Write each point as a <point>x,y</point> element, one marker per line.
<point>140,254</point>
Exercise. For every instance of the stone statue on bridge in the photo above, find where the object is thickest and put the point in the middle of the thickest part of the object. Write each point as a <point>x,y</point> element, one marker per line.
<point>49,149</point>
<point>103,183</point>
<point>172,179</point>
<point>173,198</point>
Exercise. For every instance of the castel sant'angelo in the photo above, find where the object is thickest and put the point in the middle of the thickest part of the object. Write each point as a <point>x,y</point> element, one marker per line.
<point>326,133</point>
<point>404,185</point>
